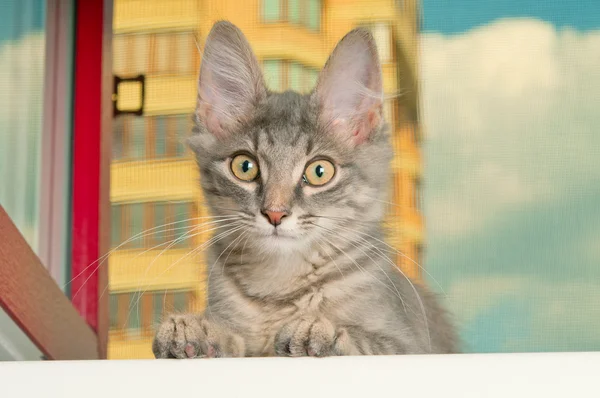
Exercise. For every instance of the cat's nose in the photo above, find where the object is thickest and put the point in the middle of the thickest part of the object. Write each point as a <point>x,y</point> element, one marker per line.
<point>274,217</point>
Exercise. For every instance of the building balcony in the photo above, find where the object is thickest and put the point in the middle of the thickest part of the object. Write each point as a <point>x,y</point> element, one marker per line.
<point>132,16</point>
<point>165,94</point>
<point>154,180</point>
<point>130,270</point>
<point>408,227</point>
<point>122,347</point>
<point>284,40</point>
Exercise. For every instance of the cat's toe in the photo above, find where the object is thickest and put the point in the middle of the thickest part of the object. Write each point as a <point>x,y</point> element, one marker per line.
<point>305,337</point>
<point>321,339</point>
<point>180,336</point>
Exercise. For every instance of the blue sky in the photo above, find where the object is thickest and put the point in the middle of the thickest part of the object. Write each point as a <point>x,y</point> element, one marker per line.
<point>512,170</point>
<point>459,16</point>
<point>19,17</point>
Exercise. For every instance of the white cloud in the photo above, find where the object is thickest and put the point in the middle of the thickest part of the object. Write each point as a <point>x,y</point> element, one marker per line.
<point>511,117</point>
<point>471,296</point>
<point>561,316</point>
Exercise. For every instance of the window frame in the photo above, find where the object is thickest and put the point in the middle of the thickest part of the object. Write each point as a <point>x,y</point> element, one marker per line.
<point>92,150</point>
<point>303,14</point>
<point>285,74</point>
<point>61,328</point>
<point>56,142</point>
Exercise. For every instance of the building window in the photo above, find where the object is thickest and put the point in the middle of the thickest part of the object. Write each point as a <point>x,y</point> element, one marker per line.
<point>272,71</point>
<point>150,137</point>
<point>180,302</point>
<point>162,54</point>
<point>137,314</point>
<point>303,12</point>
<point>160,136</point>
<point>133,313</point>
<point>137,143</point>
<point>182,129</point>
<point>293,11</point>
<point>388,112</point>
<point>382,33</point>
<point>296,77</point>
<point>113,309</point>
<point>160,217</point>
<point>184,48</point>
<point>281,75</point>
<point>314,14</point>
<point>158,304</point>
<point>155,53</point>
<point>417,199</point>
<point>118,138</point>
<point>140,54</point>
<point>135,223</point>
<point>116,226</point>
<point>120,54</point>
<point>131,220</point>
<point>272,10</point>
<point>419,254</point>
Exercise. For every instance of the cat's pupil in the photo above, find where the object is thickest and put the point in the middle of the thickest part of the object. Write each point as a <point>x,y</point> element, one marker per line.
<point>247,165</point>
<point>320,171</point>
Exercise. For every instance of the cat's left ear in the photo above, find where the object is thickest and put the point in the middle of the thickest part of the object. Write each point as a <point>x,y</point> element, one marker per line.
<point>350,90</point>
<point>230,83</point>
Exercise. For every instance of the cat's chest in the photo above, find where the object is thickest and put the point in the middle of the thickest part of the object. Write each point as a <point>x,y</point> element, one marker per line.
<point>264,317</point>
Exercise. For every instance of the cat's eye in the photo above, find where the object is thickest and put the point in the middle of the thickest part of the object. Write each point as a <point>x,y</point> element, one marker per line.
<point>244,168</point>
<point>319,172</point>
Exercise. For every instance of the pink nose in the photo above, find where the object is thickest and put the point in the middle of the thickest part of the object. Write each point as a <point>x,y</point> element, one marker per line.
<point>274,217</point>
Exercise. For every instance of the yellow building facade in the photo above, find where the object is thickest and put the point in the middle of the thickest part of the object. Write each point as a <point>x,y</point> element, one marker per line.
<point>154,269</point>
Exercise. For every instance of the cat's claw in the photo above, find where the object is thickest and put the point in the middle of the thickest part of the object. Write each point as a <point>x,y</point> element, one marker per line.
<point>313,337</point>
<point>191,336</point>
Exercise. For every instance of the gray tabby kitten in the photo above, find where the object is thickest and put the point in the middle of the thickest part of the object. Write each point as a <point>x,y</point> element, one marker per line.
<point>303,269</point>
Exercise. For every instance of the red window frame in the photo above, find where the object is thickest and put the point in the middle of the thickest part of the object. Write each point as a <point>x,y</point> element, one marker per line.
<point>92,126</point>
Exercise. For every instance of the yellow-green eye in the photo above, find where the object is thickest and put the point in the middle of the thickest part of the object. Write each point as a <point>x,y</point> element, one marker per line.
<point>319,172</point>
<point>244,167</point>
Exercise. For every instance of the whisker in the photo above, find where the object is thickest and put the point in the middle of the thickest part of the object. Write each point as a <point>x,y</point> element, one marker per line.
<point>200,248</point>
<point>233,248</point>
<point>391,249</point>
<point>116,248</point>
<point>411,285</point>
<point>374,262</point>
<point>331,258</point>
<point>177,240</point>
<point>138,235</point>
<point>244,248</point>
<point>174,242</point>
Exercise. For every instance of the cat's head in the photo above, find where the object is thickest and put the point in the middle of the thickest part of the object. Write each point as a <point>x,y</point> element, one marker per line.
<point>292,169</point>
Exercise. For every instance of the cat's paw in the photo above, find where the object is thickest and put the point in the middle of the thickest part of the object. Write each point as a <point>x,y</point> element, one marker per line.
<point>192,336</point>
<point>315,337</point>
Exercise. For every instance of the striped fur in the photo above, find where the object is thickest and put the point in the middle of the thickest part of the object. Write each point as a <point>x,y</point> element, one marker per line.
<point>323,282</point>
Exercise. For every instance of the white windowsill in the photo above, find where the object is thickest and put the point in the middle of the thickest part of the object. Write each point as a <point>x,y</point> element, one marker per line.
<point>512,375</point>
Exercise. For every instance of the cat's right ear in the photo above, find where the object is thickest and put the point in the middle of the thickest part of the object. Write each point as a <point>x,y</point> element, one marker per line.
<point>230,83</point>
<point>350,88</point>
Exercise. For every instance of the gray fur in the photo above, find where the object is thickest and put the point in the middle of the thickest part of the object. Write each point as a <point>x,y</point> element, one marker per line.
<point>325,284</point>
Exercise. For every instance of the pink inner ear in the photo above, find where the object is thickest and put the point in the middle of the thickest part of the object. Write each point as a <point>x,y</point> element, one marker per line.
<point>365,124</point>
<point>211,120</point>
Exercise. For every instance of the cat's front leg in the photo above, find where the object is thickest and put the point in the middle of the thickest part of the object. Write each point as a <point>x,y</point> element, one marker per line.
<point>313,336</point>
<point>194,336</point>
<point>317,336</point>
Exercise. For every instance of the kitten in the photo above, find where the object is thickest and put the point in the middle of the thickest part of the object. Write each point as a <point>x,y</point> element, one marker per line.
<point>302,269</point>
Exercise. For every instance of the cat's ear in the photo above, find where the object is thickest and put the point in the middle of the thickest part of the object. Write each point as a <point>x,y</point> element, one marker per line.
<point>230,83</point>
<point>350,90</point>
